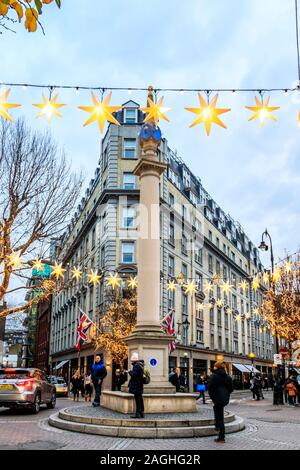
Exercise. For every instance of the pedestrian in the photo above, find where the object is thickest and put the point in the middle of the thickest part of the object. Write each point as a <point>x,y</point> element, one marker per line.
<point>201,388</point>
<point>277,391</point>
<point>256,387</point>
<point>174,378</point>
<point>98,374</point>
<point>182,382</point>
<point>291,391</point>
<point>136,385</point>
<point>219,389</point>
<point>76,385</point>
<point>88,389</point>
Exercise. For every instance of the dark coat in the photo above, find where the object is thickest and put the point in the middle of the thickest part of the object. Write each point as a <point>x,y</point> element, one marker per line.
<point>136,379</point>
<point>174,379</point>
<point>220,387</point>
<point>98,371</point>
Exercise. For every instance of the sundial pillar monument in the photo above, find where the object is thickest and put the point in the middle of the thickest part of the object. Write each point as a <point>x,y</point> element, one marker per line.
<point>147,338</point>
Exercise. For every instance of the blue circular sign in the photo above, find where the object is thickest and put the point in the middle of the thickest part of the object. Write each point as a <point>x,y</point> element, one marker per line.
<point>153,362</point>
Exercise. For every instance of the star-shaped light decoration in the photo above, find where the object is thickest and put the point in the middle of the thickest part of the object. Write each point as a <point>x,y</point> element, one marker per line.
<point>219,303</point>
<point>15,260</point>
<point>255,283</point>
<point>38,265</point>
<point>57,270</point>
<point>288,266</point>
<point>208,287</point>
<point>113,280</point>
<point>208,114</point>
<point>257,311</point>
<point>155,111</point>
<point>266,277</point>
<point>76,273</point>
<point>238,317</point>
<point>262,110</point>
<point>101,111</point>
<point>276,275</point>
<point>171,286</point>
<point>216,278</point>
<point>4,105</point>
<point>248,316</point>
<point>180,278</point>
<point>210,305</point>
<point>49,107</point>
<point>201,306</point>
<point>132,283</point>
<point>226,287</point>
<point>228,310</point>
<point>190,288</point>
<point>94,277</point>
<point>243,285</point>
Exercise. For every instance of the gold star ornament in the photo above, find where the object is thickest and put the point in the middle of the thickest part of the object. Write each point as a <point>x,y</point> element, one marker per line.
<point>101,111</point>
<point>262,111</point>
<point>208,114</point>
<point>113,281</point>
<point>171,286</point>
<point>132,283</point>
<point>190,288</point>
<point>38,265</point>
<point>155,111</point>
<point>4,105</point>
<point>15,260</point>
<point>76,273</point>
<point>49,107</point>
<point>94,277</point>
<point>57,271</point>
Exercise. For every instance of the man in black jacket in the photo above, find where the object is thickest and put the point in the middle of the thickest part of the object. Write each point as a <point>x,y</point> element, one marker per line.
<point>219,389</point>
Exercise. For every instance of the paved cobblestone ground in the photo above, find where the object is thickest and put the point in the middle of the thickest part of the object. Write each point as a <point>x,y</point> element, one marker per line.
<point>267,427</point>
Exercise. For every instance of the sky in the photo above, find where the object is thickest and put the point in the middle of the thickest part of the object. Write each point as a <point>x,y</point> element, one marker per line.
<point>253,173</point>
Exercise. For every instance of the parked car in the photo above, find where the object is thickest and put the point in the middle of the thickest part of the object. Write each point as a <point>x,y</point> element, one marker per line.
<point>60,385</point>
<point>26,388</point>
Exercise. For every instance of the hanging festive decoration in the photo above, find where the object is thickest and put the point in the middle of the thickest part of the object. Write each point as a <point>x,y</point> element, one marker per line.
<point>15,260</point>
<point>49,107</point>
<point>243,285</point>
<point>132,283</point>
<point>113,280</point>
<point>208,114</point>
<point>219,303</point>
<point>155,111</point>
<point>266,277</point>
<point>262,110</point>
<point>208,287</point>
<point>190,288</point>
<point>76,273</point>
<point>58,271</point>
<point>256,283</point>
<point>226,287</point>
<point>288,266</point>
<point>101,111</point>
<point>4,105</point>
<point>276,275</point>
<point>171,286</point>
<point>38,265</point>
<point>94,277</point>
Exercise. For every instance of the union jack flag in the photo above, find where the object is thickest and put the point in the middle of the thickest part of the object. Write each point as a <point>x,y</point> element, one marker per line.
<point>168,326</point>
<point>83,325</point>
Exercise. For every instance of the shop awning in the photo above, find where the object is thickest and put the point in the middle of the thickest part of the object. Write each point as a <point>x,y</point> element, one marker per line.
<point>58,366</point>
<point>241,367</point>
<point>252,368</point>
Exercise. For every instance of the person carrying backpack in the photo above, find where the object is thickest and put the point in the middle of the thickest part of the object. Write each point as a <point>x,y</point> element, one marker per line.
<point>98,374</point>
<point>136,384</point>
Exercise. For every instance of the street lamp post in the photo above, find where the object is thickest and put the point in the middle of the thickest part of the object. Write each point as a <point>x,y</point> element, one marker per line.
<point>264,247</point>
<point>186,325</point>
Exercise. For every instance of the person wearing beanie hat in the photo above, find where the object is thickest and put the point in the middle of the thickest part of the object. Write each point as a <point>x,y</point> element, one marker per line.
<point>219,389</point>
<point>136,386</point>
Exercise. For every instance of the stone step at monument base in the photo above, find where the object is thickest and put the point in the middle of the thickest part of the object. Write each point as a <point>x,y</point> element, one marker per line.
<point>108,423</point>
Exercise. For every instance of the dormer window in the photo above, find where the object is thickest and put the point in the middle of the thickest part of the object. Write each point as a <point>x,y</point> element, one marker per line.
<point>130,116</point>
